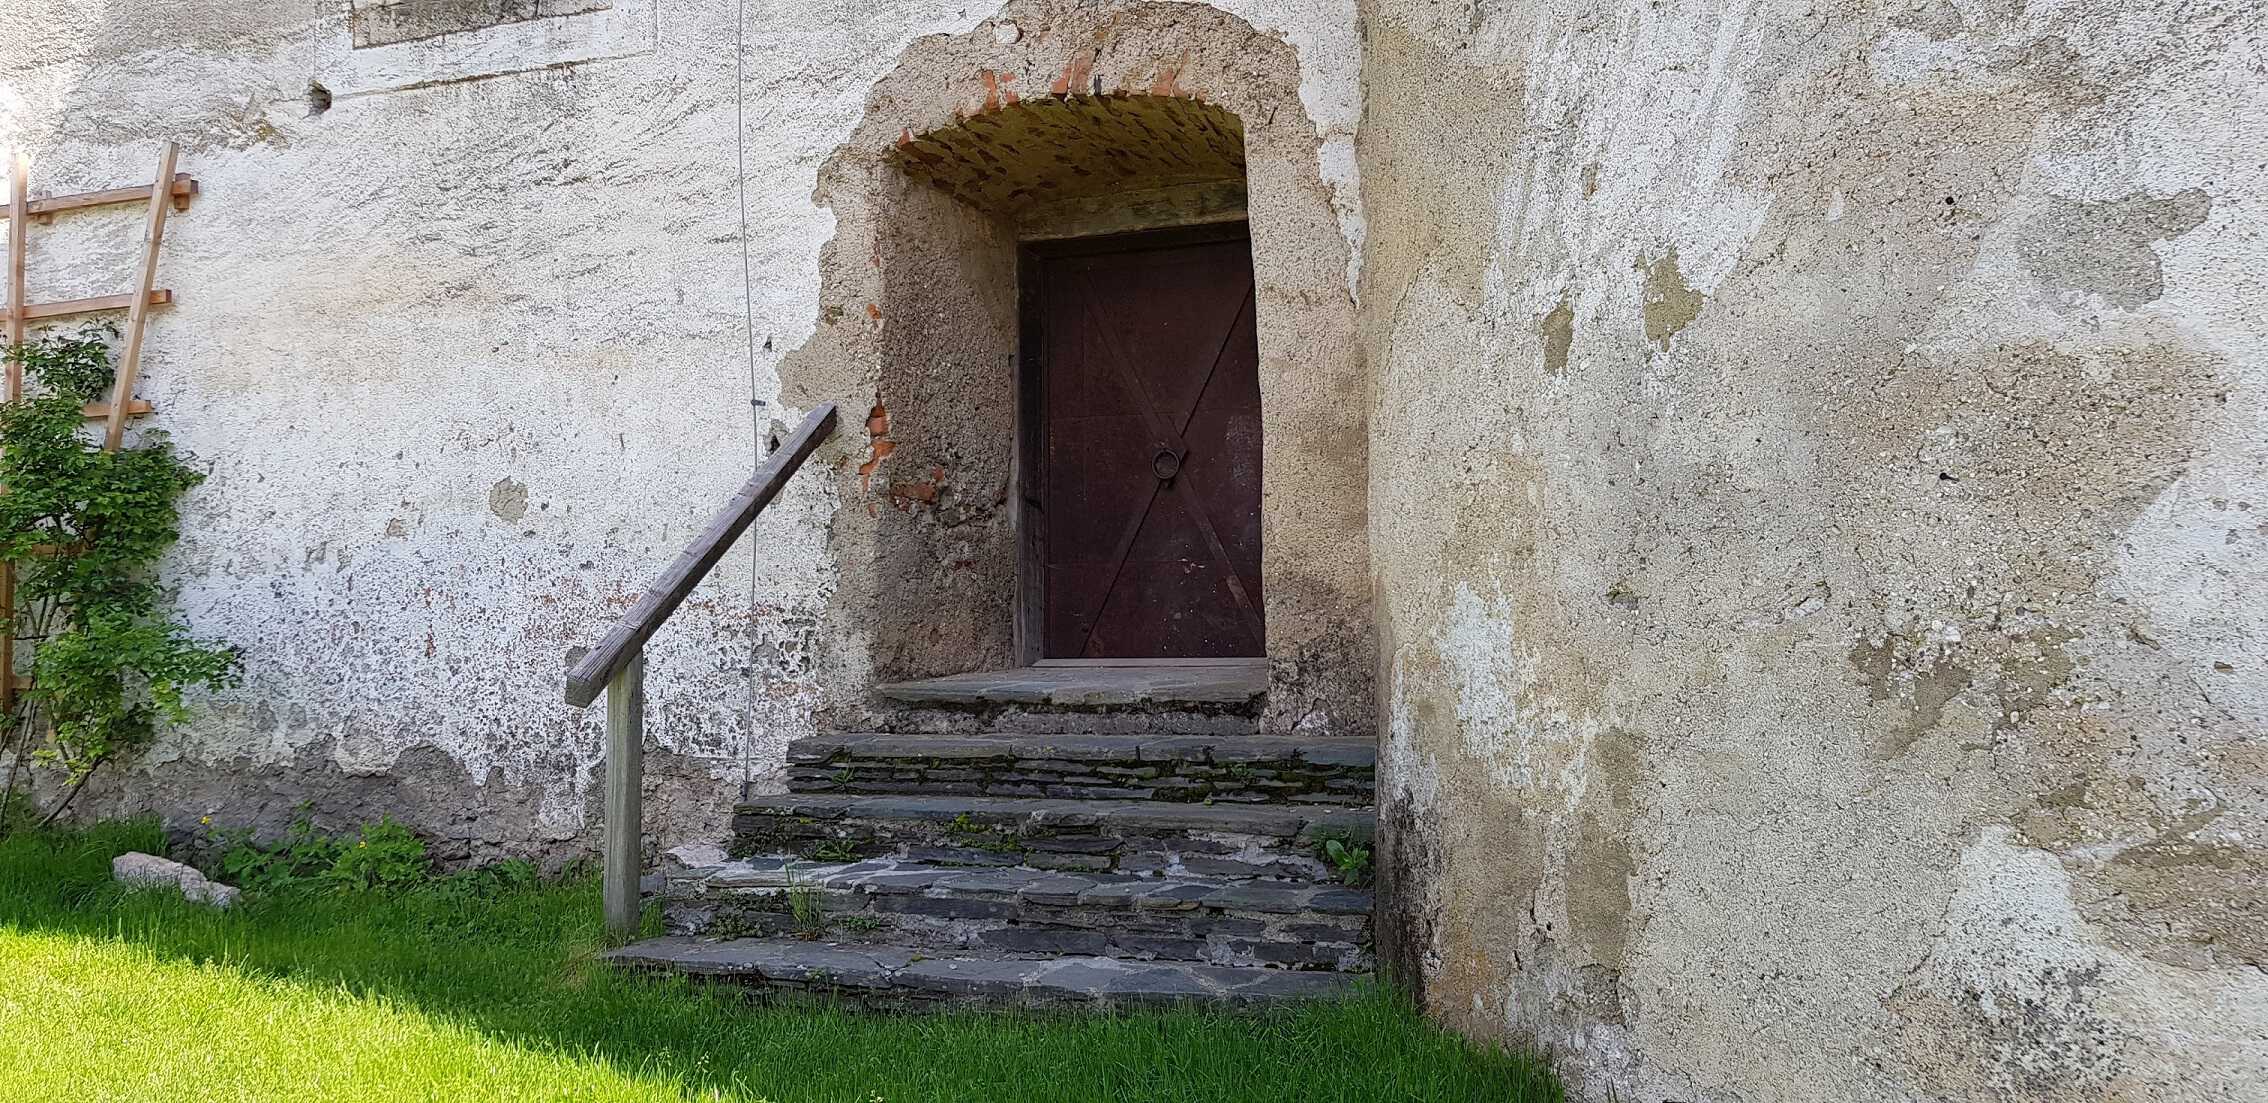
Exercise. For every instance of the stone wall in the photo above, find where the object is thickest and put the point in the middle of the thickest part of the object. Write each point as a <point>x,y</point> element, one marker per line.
<point>1818,488</point>
<point>459,336</point>
<point>1811,495</point>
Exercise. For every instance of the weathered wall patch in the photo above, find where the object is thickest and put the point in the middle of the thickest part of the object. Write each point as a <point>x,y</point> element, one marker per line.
<point>1807,448</point>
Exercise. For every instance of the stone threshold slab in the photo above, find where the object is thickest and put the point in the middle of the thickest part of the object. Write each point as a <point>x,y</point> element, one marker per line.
<point>1215,682</point>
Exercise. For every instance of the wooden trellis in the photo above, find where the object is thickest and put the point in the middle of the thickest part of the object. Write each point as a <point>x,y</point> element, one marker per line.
<point>169,190</point>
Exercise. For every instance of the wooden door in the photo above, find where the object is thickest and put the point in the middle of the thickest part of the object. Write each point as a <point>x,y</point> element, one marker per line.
<point>1142,369</point>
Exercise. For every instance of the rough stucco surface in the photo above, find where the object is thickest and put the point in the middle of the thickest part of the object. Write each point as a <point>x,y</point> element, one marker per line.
<point>464,355</point>
<point>1815,455</point>
<point>1818,487</point>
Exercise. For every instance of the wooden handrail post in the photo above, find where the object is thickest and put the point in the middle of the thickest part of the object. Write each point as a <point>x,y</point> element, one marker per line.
<point>618,664</point>
<point>625,772</point>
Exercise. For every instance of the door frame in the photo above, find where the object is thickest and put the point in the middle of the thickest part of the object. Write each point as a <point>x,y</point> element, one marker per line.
<point>1025,489</point>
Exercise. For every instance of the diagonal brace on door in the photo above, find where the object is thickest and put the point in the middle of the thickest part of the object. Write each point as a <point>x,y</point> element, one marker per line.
<point>1167,468</point>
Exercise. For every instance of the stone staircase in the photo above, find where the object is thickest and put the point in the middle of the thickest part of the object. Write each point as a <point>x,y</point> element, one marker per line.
<point>907,870</point>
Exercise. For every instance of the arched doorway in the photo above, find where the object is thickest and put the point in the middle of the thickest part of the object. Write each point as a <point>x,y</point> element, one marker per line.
<point>1138,417</point>
<point>1117,407</point>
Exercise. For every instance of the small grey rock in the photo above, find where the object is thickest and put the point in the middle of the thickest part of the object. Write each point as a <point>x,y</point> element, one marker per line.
<point>150,871</point>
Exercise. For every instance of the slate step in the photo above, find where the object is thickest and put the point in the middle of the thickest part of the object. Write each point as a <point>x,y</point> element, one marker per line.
<point>1126,836</point>
<point>1188,768</point>
<point>904,979</point>
<point>1027,912</point>
<point>1212,697</point>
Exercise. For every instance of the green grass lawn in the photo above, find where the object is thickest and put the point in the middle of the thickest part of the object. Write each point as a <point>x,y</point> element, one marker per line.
<point>107,995</point>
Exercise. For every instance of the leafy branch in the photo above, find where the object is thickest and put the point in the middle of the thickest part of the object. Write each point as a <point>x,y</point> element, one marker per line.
<point>82,528</point>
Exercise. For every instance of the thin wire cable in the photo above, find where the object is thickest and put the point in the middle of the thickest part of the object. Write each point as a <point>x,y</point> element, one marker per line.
<point>748,319</point>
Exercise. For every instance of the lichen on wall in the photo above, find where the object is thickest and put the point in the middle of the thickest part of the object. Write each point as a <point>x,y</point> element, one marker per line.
<point>1815,471</point>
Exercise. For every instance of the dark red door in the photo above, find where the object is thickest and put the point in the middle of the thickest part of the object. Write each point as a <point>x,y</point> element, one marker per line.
<point>1148,445</point>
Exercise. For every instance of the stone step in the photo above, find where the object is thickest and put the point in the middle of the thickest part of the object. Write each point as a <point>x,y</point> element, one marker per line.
<point>1090,836</point>
<point>1209,697</point>
<point>1028,912</point>
<point>904,979</point>
<point>1234,769</point>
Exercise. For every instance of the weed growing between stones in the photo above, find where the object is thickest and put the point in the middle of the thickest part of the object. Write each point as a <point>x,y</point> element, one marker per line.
<point>836,850</point>
<point>1350,858</point>
<point>809,911</point>
<point>968,833</point>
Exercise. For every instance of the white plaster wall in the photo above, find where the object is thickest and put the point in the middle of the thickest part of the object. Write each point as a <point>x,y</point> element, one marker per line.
<point>504,263</point>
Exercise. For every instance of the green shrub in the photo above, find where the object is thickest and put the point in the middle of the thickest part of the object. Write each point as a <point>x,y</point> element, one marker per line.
<point>484,882</point>
<point>294,861</point>
<point>388,858</point>
<point>382,857</point>
<point>82,528</point>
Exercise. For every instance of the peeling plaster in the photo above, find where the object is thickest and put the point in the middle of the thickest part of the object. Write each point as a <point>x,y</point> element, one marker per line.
<point>1850,690</point>
<point>516,465</point>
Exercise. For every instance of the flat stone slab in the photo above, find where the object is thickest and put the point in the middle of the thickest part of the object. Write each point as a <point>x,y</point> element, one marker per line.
<point>1232,769</point>
<point>783,961</point>
<point>1085,748</point>
<point>1063,836</point>
<point>1276,821</point>
<point>896,978</point>
<point>1022,912</point>
<point>1235,682</point>
<point>1107,890</point>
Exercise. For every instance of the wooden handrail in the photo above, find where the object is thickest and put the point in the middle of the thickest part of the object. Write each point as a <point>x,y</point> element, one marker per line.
<point>618,664</point>
<point>670,589</point>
